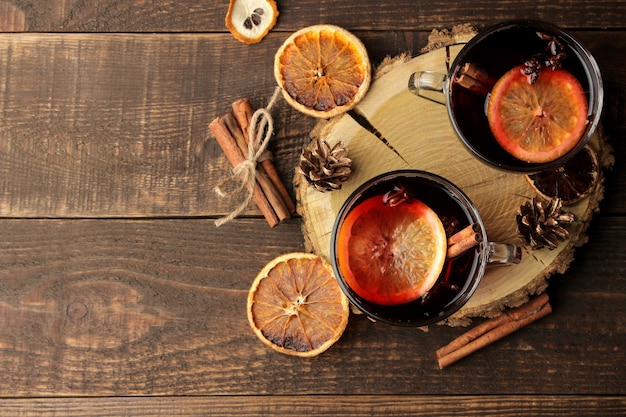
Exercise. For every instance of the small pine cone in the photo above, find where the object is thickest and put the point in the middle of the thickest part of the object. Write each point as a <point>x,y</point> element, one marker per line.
<point>324,167</point>
<point>540,222</point>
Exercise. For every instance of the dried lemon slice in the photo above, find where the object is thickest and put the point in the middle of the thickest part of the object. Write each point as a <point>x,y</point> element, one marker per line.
<point>295,305</point>
<point>323,70</point>
<point>250,20</point>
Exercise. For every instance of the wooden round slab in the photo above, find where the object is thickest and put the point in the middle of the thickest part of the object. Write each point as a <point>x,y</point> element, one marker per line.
<point>418,135</point>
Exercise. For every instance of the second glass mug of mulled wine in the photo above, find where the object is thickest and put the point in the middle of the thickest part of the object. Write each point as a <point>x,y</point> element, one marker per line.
<point>508,58</point>
<point>383,254</point>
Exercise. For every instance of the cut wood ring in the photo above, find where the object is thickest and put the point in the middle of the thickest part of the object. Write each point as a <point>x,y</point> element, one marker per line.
<point>408,132</point>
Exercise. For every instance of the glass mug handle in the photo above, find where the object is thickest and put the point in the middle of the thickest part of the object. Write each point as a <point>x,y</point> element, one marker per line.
<point>429,85</point>
<point>502,254</point>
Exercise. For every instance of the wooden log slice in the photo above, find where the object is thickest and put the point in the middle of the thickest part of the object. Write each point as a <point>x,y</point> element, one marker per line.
<point>418,135</point>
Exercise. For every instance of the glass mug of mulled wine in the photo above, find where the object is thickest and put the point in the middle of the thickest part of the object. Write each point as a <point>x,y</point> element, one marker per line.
<point>522,96</point>
<point>409,248</point>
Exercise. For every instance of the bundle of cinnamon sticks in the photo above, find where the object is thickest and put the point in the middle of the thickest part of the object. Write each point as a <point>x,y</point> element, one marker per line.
<point>493,329</point>
<point>232,132</point>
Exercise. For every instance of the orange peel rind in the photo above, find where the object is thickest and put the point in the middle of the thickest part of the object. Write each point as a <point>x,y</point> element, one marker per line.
<point>251,20</point>
<point>323,70</point>
<point>295,305</point>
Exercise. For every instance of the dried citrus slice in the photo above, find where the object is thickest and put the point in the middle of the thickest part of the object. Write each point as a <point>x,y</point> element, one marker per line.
<point>295,305</point>
<point>540,121</point>
<point>570,182</point>
<point>323,70</point>
<point>391,254</point>
<point>250,20</point>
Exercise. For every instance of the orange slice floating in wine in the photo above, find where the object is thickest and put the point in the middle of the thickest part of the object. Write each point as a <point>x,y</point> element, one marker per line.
<point>541,121</point>
<point>391,254</point>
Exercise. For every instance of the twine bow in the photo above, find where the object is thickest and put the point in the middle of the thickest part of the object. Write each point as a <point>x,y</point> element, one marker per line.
<point>259,135</point>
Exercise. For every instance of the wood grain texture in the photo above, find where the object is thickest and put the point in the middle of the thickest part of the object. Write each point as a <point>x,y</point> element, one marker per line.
<point>203,16</point>
<point>144,303</point>
<point>102,307</point>
<point>112,128</point>
<point>327,405</point>
<point>115,125</point>
<point>118,296</point>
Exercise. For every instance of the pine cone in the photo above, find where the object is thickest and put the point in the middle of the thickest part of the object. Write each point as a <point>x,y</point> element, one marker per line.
<point>324,167</point>
<point>539,222</point>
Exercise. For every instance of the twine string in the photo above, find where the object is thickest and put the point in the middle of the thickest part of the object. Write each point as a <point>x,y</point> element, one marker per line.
<point>259,135</point>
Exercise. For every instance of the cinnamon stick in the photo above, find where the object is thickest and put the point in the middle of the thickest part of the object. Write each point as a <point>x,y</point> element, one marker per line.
<point>463,240</point>
<point>492,330</point>
<point>235,157</point>
<point>242,110</point>
<point>265,182</point>
<point>474,78</point>
<point>235,131</point>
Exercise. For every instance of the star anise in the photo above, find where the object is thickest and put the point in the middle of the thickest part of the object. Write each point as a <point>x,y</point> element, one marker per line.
<point>532,68</point>
<point>555,61</point>
<point>552,58</point>
<point>554,45</point>
<point>397,196</point>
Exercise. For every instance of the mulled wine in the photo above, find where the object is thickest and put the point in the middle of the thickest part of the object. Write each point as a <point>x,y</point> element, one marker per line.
<point>497,51</point>
<point>459,276</point>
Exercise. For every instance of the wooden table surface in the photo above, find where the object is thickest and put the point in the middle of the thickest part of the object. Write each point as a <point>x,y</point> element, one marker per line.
<point>120,297</point>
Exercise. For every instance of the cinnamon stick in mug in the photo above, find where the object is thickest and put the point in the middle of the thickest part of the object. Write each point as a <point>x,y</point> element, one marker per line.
<point>463,240</point>
<point>474,78</point>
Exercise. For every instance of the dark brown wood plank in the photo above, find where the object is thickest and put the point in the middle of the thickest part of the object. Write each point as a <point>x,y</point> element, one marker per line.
<point>115,125</point>
<point>327,405</point>
<point>152,305</point>
<point>203,16</point>
<point>103,316</point>
<point>106,308</point>
<point>607,53</point>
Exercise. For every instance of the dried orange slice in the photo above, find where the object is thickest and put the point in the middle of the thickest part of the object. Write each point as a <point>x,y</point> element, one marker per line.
<point>570,182</point>
<point>323,70</point>
<point>250,20</point>
<point>391,254</point>
<point>295,305</point>
<point>540,121</point>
